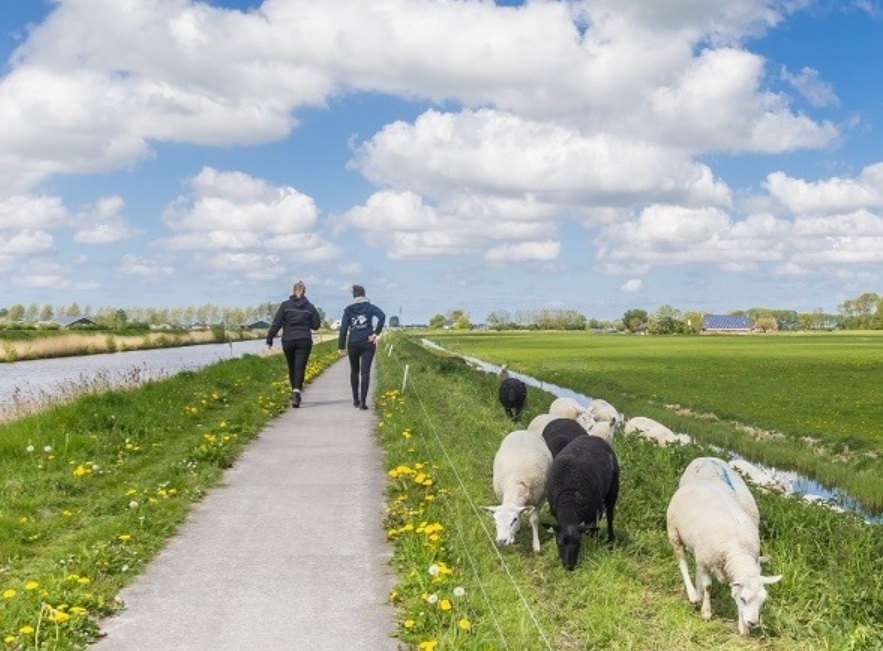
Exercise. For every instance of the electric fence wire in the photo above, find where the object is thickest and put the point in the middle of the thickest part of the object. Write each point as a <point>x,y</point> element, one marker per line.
<point>475,510</point>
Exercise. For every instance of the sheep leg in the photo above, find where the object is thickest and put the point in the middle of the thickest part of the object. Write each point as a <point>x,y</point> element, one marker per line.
<point>703,582</point>
<point>535,527</point>
<point>681,555</point>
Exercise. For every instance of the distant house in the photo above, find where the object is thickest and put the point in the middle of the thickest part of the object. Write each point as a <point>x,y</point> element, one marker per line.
<point>73,321</point>
<point>260,324</point>
<point>724,323</point>
<point>393,321</point>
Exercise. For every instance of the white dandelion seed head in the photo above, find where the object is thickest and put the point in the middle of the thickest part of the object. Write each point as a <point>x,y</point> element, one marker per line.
<point>459,591</point>
<point>30,448</point>
<point>432,598</point>
<point>48,448</point>
<point>133,504</point>
<point>433,569</point>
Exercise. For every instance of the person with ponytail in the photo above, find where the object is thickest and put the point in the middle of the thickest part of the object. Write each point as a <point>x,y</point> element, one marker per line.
<point>296,317</point>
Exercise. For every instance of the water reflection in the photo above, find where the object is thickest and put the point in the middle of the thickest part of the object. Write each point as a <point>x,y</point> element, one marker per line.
<point>788,481</point>
<point>29,384</point>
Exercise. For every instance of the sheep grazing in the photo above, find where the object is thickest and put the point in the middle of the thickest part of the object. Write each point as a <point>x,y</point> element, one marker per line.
<point>539,422</point>
<point>706,517</point>
<point>583,483</point>
<point>561,431</point>
<point>512,393</point>
<point>521,466</point>
<point>601,410</point>
<point>564,407</point>
<point>650,429</point>
<point>714,469</point>
<point>603,429</point>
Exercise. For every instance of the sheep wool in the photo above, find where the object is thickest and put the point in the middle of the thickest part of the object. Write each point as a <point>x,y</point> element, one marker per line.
<point>521,466</point>
<point>583,484</point>
<point>706,518</point>
<point>559,432</point>
<point>512,393</point>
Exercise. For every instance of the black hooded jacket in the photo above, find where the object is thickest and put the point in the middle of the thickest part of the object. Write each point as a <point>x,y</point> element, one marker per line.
<point>296,317</point>
<point>357,322</point>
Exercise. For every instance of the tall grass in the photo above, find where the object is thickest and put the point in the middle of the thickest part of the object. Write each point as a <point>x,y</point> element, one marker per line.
<point>805,403</point>
<point>440,434</point>
<point>91,490</point>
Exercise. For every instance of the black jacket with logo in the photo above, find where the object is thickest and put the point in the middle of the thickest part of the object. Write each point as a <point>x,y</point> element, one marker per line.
<point>357,322</point>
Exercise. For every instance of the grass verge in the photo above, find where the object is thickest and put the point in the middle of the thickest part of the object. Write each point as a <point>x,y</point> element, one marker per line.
<point>91,490</point>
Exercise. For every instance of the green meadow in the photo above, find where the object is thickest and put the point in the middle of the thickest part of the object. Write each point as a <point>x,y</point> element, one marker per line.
<point>91,490</point>
<point>440,430</point>
<point>809,403</point>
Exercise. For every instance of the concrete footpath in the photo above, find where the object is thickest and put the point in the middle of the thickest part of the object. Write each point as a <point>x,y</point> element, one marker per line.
<point>289,553</point>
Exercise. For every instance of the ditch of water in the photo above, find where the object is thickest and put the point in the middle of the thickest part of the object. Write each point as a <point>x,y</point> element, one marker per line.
<point>788,482</point>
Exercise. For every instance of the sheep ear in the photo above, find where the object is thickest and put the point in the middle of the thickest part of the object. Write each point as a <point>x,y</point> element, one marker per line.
<point>771,579</point>
<point>736,585</point>
<point>763,560</point>
<point>490,509</point>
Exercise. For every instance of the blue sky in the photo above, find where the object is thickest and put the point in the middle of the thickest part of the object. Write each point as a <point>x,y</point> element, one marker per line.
<point>596,155</point>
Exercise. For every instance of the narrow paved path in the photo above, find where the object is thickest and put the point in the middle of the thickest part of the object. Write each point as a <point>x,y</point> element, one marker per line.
<point>288,554</point>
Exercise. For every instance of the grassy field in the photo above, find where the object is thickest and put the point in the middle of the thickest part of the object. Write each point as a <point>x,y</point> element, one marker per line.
<point>92,489</point>
<point>456,590</point>
<point>809,403</point>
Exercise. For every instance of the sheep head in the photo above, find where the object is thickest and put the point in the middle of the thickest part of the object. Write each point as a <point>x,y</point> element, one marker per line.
<point>507,517</point>
<point>749,595</point>
<point>569,540</point>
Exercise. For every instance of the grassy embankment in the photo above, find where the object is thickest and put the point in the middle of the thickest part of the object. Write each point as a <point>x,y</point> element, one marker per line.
<point>809,403</point>
<point>91,490</point>
<point>440,436</point>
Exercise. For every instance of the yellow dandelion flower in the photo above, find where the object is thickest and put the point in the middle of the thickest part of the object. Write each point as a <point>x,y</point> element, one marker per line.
<point>428,645</point>
<point>9,593</point>
<point>31,585</point>
<point>9,639</point>
<point>124,537</point>
<point>67,514</point>
<point>60,617</point>
<point>84,580</point>
<point>79,610</point>
<point>464,624</point>
<point>26,630</point>
<point>409,623</point>
<point>444,604</point>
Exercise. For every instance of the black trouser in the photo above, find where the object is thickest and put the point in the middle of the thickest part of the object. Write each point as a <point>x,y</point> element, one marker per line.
<point>361,355</point>
<point>297,353</point>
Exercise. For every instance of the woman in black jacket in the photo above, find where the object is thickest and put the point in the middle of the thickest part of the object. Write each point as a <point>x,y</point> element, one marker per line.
<point>360,326</point>
<point>296,317</point>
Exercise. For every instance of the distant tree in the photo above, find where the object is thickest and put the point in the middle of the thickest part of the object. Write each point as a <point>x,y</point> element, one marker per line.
<point>31,312</point>
<point>462,322</point>
<point>73,310</point>
<point>46,313</point>
<point>859,312</point>
<point>692,322</point>
<point>632,320</point>
<point>766,323</point>
<point>437,321</point>
<point>4,312</point>
<point>120,318</point>
<point>498,319</point>
<point>16,312</point>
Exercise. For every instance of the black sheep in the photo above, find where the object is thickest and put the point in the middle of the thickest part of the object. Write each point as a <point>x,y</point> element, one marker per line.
<point>583,484</point>
<point>561,431</point>
<point>512,393</point>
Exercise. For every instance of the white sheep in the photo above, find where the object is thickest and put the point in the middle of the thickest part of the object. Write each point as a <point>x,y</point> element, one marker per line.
<point>521,466</point>
<point>705,517</point>
<point>603,429</point>
<point>565,407</point>
<point>651,429</point>
<point>714,469</point>
<point>539,422</point>
<point>601,410</point>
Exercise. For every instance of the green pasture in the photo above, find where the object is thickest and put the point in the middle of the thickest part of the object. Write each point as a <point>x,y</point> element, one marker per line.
<point>809,403</point>
<point>440,431</point>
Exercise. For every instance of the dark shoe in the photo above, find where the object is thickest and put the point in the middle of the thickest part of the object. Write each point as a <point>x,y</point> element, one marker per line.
<point>363,406</point>
<point>356,402</point>
<point>295,399</point>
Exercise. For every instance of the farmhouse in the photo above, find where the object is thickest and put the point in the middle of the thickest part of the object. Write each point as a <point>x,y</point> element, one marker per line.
<point>259,324</point>
<point>73,321</point>
<point>726,324</point>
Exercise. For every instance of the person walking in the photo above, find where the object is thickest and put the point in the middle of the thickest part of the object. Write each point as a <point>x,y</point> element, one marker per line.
<point>360,326</point>
<point>295,317</point>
